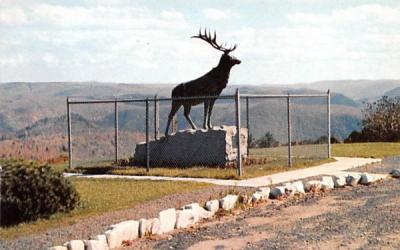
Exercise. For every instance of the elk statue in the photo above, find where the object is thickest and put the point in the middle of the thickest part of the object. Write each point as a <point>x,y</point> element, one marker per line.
<point>210,84</point>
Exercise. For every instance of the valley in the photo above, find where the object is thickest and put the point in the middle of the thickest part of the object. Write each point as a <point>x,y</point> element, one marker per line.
<point>33,121</point>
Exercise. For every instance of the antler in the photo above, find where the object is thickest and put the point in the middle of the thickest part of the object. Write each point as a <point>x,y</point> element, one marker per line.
<point>213,41</point>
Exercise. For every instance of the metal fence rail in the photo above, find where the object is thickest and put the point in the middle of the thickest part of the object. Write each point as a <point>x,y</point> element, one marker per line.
<point>237,98</point>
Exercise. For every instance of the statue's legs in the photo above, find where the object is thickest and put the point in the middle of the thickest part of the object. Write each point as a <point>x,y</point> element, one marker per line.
<point>174,108</point>
<point>210,108</point>
<point>206,108</point>
<point>187,108</point>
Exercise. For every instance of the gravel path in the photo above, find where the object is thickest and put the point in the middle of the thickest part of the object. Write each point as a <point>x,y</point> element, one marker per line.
<point>364,217</point>
<point>385,167</point>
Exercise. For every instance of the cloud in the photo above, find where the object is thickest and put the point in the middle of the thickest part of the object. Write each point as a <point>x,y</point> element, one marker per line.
<point>12,16</point>
<point>362,34</point>
<point>50,59</point>
<point>15,60</point>
<point>372,13</point>
<point>62,38</point>
<point>216,14</point>
<point>121,41</point>
<point>47,16</point>
<point>345,43</point>
<point>172,14</point>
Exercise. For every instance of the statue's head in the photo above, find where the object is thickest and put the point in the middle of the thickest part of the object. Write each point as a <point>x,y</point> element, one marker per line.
<point>229,60</point>
<point>226,59</point>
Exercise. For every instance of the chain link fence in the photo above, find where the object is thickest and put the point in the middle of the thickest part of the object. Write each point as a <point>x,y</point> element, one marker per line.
<point>274,130</point>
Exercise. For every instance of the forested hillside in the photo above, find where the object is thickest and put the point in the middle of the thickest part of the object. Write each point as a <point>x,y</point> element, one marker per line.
<point>30,111</point>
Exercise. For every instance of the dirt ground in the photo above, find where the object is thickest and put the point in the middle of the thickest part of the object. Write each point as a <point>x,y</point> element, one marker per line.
<point>94,225</point>
<point>364,217</point>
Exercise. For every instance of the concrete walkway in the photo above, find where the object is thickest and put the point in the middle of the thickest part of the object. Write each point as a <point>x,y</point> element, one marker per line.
<point>341,164</point>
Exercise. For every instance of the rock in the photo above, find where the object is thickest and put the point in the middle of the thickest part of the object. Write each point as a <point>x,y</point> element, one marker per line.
<point>367,179</point>
<point>353,179</point>
<point>191,206</point>
<point>142,227</point>
<point>327,183</point>
<point>96,245</point>
<point>154,226</point>
<point>264,192</point>
<point>75,245</point>
<point>255,197</point>
<point>100,237</point>
<point>228,202</point>
<point>339,181</point>
<point>167,220</point>
<point>294,188</point>
<point>395,173</point>
<point>277,192</point>
<point>186,218</point>
<point>123,231</point>
<point>289,189</point>
<point>149,227</point>
<point>200,212</point>
<point>175,150</point>
<point>58,248</point>
<point>298,187</point>
<point>244,199</point>
<point>212,206</point>
<point>313,186</point>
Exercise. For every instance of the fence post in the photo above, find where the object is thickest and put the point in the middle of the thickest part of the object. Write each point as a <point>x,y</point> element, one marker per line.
<point>239,154</point>
<point>247,125</point>
<point>116,129</point>
<point>156,118</point>
<point>289,132</point>
<point>69,135</point>
<point>147,136</point>
<point>329,122</point>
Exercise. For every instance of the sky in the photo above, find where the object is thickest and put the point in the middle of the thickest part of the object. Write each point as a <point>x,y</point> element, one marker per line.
<point>148,41</point>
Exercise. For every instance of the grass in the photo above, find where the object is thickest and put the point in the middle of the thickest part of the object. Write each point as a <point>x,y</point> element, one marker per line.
<point>275,160</point>
<point>99,196</point>
<point>256,170</point>
<point>63,166</point>
<point>371,149</point>
<point>263,161</point>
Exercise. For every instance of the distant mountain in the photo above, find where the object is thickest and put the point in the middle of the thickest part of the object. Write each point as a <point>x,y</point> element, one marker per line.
<point>39,108</point>
<point>355,89</point>
<point>4,124</point>
<point>55,125</point>
<point>33,116</point>
<point>393,93</point>
<point>22,104</point>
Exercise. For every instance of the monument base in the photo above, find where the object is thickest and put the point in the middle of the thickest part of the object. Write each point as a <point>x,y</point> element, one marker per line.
<point>200,147</point>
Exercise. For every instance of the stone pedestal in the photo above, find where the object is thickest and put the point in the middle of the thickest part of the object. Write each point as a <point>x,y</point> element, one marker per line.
<point>186,148</point>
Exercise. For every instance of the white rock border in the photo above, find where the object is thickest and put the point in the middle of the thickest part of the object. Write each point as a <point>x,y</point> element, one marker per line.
<point>189,215</point>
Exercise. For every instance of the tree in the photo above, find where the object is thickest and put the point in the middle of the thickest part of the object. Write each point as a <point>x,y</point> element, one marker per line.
<point>381,122</point>
<point>267,141</point>
<point>324,139</point>
<point>355,136</point>
<point>382,119</point>
<point>252,141</point>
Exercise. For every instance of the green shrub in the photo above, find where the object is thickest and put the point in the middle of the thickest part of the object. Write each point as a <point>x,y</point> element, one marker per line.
<point>30,191</point>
